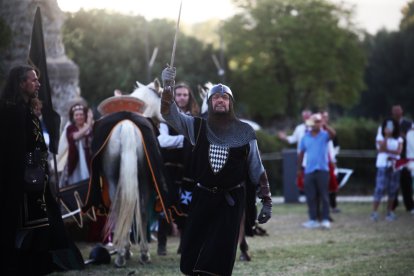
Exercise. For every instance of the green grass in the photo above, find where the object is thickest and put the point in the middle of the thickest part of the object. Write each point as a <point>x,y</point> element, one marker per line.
<point>354,246</point>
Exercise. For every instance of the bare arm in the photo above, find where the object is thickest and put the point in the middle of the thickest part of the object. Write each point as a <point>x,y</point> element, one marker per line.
<point>82,132</point>
<point>330,130</point>
<point>383,147</point>
<point>86,128</point>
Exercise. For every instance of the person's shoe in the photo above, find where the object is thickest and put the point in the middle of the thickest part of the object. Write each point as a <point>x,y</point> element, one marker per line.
<point>374,216</point>
<point>336,210</point>
<point>391,216</point>
<point>245,257</point>
<point>326,224</point>
<point>161,250</point>
<point>311,224</point>
<point>412,212</point>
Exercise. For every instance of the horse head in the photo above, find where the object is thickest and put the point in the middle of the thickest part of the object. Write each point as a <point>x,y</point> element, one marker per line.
<point>151,95</point>
<point>202,92</point>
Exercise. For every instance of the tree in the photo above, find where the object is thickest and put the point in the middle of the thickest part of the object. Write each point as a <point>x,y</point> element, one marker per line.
<point>408,16</point>
<point>390,72</point>
<point>112,51</point>
<point>288,55</point>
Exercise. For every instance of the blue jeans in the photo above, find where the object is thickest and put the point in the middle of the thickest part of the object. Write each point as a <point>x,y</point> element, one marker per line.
<point>316,187</point>
<point>387,180</point>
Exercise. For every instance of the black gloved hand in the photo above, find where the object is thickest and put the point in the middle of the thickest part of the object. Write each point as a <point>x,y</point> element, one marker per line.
<point>168,76</point>
<point>266,211</point>
<point>264,194</point>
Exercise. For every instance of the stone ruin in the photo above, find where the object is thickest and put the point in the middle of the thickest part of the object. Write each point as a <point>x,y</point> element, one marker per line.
<point>63,72</point>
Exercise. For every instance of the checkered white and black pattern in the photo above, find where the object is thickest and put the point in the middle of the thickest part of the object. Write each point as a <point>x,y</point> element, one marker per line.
<point>218,156</point>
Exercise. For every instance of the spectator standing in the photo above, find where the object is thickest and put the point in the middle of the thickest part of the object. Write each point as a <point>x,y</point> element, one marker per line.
<point>315,145</point>
<point>405,176</point>
<point>333,150</point>
<point>410,157</point>
<point>389,147</point>
<point>296,138</point>
<point>77,137</point>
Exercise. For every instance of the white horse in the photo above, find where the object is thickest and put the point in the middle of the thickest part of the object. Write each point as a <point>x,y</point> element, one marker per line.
<point>129,178</point>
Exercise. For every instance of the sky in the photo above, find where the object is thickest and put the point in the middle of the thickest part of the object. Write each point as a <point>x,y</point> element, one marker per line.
<point>371,15</point>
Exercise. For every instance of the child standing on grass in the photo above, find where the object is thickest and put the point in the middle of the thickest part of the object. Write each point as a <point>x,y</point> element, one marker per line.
<point>389,146</point>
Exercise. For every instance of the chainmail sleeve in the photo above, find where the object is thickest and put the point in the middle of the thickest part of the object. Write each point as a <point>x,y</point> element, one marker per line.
<point>256,167</point>
<point>182,123</point>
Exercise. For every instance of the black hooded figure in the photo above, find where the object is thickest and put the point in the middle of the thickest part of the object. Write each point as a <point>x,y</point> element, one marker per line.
<point>225,156</point>
<point>33,239</point>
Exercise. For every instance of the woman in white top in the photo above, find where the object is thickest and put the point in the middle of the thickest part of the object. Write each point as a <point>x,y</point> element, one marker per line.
<point>77,138</point>
<point>389,146</point>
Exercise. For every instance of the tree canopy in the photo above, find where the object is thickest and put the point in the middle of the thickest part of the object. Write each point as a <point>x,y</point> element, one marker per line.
<point>113,52</point>
<point>279,57</point>
<point>288,55</point>
<point>389,75</point>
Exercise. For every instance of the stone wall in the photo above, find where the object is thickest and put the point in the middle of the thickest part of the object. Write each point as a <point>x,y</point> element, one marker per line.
<point>63,73</point>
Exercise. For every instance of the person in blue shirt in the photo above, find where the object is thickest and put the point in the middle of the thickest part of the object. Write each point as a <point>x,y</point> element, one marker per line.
<point>315,145</point>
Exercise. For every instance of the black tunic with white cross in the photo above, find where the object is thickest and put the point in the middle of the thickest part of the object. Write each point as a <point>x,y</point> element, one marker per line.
<point>210,240</point>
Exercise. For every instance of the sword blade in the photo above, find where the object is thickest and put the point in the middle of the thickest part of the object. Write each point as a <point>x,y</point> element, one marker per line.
<point>176,35</point>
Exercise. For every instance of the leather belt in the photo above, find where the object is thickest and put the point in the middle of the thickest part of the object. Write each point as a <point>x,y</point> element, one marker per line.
<point>226,191</point>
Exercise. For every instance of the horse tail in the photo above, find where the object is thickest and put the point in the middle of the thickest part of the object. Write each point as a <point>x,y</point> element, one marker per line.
<point>125,205</point>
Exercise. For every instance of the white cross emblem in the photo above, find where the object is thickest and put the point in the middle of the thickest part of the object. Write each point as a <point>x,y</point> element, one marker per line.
<point>186,197</point>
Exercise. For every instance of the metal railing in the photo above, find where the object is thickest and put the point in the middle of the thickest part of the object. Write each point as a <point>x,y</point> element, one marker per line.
<point>343,153</point>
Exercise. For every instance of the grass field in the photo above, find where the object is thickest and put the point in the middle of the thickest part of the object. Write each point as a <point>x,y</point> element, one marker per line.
<point>354,246</point>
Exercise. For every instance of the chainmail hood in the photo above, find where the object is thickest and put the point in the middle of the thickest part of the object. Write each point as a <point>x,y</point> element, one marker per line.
<point>226,129</point>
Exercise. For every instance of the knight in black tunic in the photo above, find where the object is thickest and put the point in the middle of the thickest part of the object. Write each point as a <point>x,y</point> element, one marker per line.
<point>33,238</point>
<point>225,156</point>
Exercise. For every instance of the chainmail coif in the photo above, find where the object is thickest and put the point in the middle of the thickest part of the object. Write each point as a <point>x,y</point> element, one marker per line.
<point>225,129</point>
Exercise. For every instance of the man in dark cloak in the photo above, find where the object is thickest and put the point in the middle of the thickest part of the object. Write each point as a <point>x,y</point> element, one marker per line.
<point>225,155</point>
<point>33,239</point>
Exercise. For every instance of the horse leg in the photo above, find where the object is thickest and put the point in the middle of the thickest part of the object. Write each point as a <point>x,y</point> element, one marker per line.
<point>144,191</point>
<point>123,255</point>
<point>128,253</point>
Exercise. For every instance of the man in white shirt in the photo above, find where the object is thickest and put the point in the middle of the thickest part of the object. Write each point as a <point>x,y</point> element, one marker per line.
<point>296,137</point>
<point>176,152</point>
<point>410,156</point>
<point>406,189</point>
